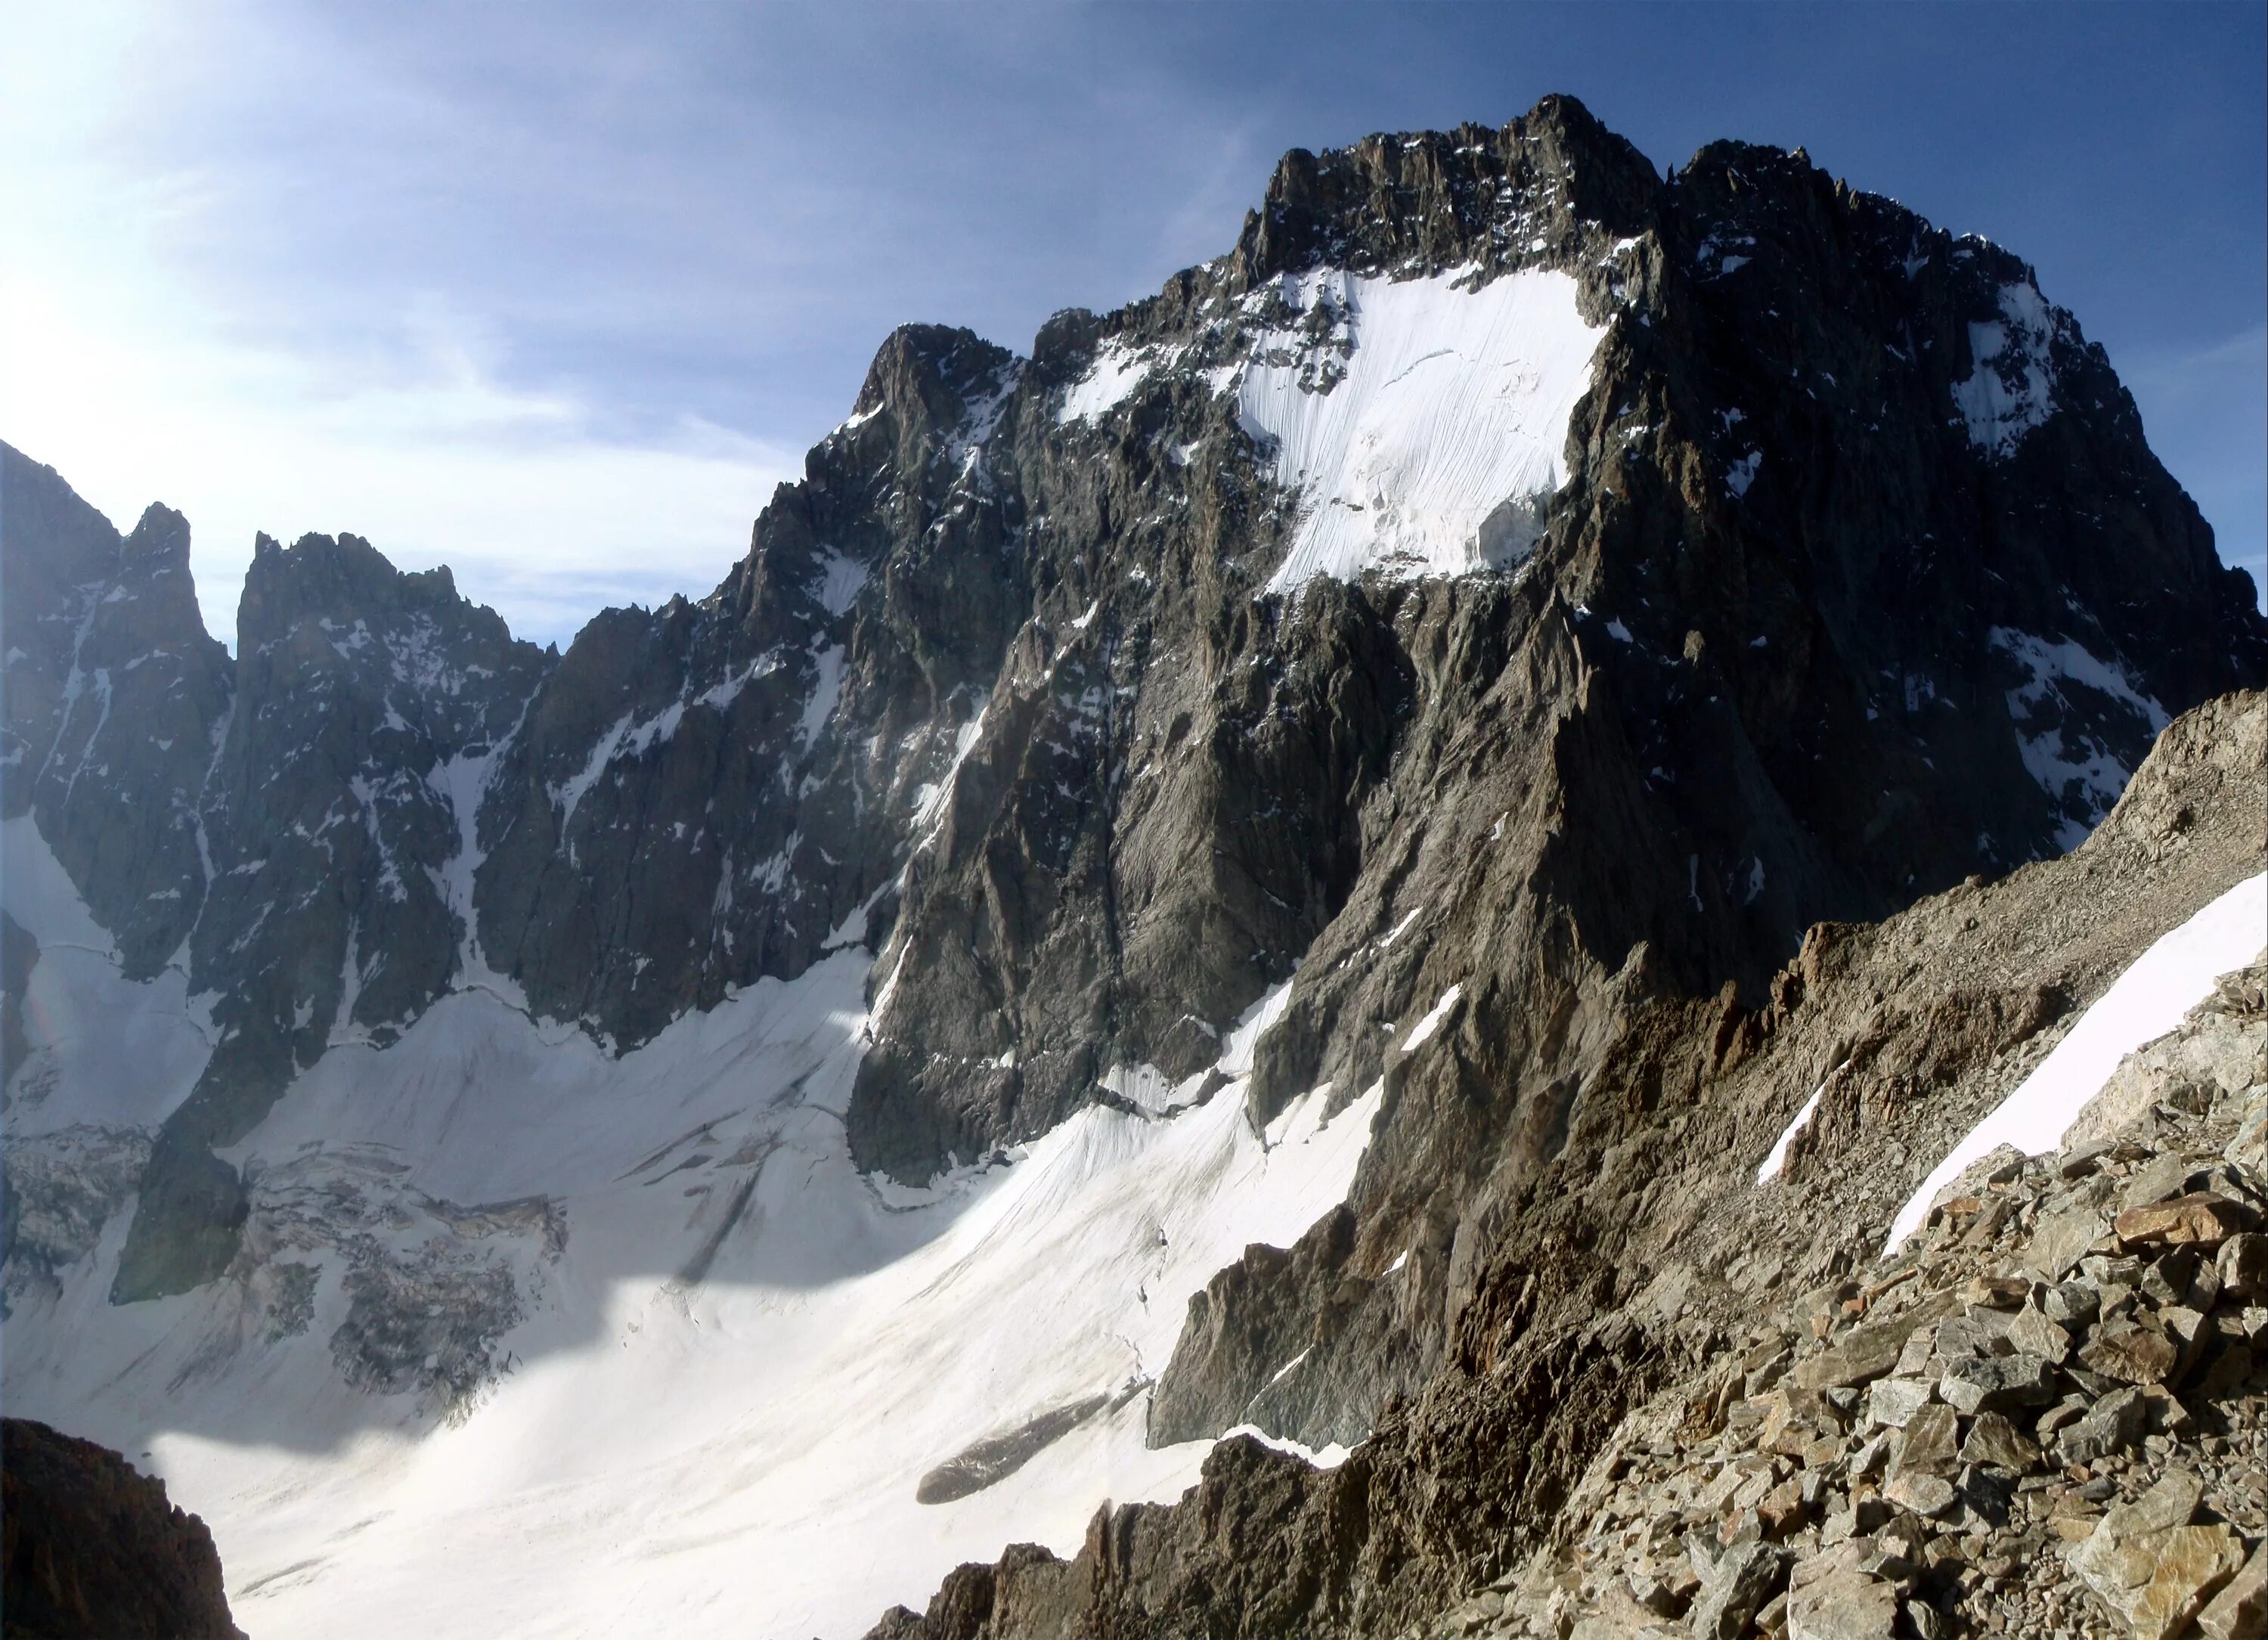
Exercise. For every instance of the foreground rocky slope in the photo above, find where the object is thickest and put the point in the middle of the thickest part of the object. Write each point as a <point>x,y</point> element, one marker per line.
<point>2047,1415</point>
<point>93,1551</point>
<point>1634,1279</point>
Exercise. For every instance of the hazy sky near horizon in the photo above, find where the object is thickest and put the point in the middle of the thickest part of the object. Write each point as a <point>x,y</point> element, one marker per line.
<point>556,295</point>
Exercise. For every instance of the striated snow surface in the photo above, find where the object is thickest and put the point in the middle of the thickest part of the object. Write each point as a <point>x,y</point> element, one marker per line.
<point>1422,421</point>
<point>727,1358</point>
<point>2143,1004</point>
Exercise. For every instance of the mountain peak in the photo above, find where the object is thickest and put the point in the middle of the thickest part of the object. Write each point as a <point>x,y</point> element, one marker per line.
<point>1345,757</point>
<point>1431,200</point>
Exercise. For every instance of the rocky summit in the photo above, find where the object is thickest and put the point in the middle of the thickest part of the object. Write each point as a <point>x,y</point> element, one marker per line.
<point>1273,865</point>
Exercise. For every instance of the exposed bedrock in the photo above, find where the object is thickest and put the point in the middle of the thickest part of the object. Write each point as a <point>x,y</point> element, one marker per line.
<point>93,1551</point>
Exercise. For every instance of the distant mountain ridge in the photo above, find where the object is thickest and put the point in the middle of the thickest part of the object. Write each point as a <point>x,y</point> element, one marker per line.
<point>1508,583</point>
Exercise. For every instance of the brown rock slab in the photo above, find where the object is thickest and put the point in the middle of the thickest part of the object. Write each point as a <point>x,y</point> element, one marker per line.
<point>2201,1219</point>
<point>1994,1440</point>
<point>2148,1564</point>
<point>2061,1241</point>
<point>2131,1353</point>
<point>1842,1603</point>
<point>2240,1611</point>
<point>1926,1495</point>
<point>1782,1510</point>
<point>2193,1563</point>
<point>1892,1402</point>
<point>1930,1443</point>
<point>1748,1575</point>
<point>2158,1179</point>
<point>1872,1349</point>
<point>2114,1424</point>
<point>1997,1382</point>
<point>2034,1334</point>
<point>2243,1267</point>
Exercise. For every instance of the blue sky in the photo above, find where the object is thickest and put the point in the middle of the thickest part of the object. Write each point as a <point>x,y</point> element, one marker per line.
<point>555,294</point>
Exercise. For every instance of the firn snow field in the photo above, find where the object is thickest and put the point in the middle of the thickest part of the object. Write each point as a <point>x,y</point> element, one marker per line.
<point>728,1383</point>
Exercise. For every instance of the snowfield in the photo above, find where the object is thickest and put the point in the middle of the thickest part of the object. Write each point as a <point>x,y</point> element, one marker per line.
<point>2143,1004</point>
<point>730,1360</point>
<point>1435,450</point>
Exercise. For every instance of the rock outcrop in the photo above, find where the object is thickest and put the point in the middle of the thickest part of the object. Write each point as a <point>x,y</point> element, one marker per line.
<point>92,1550</point>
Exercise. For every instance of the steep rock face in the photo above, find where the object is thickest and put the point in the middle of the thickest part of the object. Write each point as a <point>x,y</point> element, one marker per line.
<point>706,795</point>
<point>116,698</point>
<point>94,1551</point>
<point>1778,689</point>
<point>368,704</point>
<point>1835,606</point>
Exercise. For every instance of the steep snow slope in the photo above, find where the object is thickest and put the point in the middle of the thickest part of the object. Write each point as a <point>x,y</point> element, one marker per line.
<point>1424,422</point>
<point>103,1049</point>
<point>2147,1001</point>
<point>729,1360</point>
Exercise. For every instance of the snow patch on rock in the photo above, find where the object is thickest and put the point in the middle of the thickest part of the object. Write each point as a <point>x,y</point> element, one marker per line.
<point>1422,422</point>
<point>1777,1158</point>
<point>2071,766</point>
<point>1423,1030</point>
<point>2012,390</point>
<point>2142,1004</point>
<point>1117,370</point>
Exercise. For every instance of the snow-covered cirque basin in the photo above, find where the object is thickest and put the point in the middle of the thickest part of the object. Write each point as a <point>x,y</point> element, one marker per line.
<point>724,1386</point>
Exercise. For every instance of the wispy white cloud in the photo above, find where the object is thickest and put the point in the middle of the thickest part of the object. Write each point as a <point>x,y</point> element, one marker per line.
<point>139,386</point>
